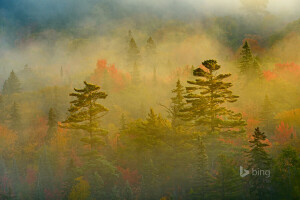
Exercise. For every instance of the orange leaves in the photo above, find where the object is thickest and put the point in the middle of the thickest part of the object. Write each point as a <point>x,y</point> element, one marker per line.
<point>284,133</point>
<point>288,71</point>
<point>7,141</point>
<point>108,75</point>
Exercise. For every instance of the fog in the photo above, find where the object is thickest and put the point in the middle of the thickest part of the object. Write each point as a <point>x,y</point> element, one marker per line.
<point>133,99</point>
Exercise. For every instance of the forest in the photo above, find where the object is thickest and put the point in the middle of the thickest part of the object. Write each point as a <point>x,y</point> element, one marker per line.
<point>149,100</point>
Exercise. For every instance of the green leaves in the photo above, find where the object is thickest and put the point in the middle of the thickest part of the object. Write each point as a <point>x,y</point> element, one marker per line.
<point>84,113</point>
<point>205,99</point>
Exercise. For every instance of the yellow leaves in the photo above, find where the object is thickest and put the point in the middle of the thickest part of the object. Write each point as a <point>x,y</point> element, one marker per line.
<point>80,191</point>
<point>7,141</point>
<point>291,117</point>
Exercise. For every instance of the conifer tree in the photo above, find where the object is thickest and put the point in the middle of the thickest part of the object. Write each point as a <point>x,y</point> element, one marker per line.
<point>259,160</point>
<point>12,84</point>
<point>227,180</point>
<point>205,108</point>
<point>249,66</point>
<point>52,123</point>
<point>133,52</point>
<point>150,47</point>
<point>201,181</point>
<point>15,118</point>
<point>267,116</point>
<point>177,104</point>
<point>84,114</point>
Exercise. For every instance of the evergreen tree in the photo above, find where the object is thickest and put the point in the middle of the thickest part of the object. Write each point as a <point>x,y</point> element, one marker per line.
<point>286,178</point>
<point>150,47</point>
<point>133,52</point>
<point>84,113</point>
<point>249,66</point>
<point>177,104</point>
<point>246,58</point>
<point>52,123</point>
<point>259,160</point>
<point>205,108</point>
<point>12,84</point>
<point>15,118</point>
<point>267,116</point>
<point>227,180</point>
<point>201,181</point>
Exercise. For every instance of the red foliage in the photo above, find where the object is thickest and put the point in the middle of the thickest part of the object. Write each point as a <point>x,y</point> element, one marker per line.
<point>103,72</point>
<point>131,176</point>
<point>288,71</point>
<point>284,133</point>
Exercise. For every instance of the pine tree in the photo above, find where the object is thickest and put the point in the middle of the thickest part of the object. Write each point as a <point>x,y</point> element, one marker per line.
<point>12,84</point>
<point>259,160</point>
<point>52,123</point>
<point>267,116</point>
<point>133,52</point>
<point>84,114</point>
<point>246,58</point>
<point>205,108</point>
<point>249,66</point>
<point>286,176</point>
<point>201,181</point>
<point>15,118</point>
<point>227,180</point>
<point>150,47</point>
<point>177,104</point>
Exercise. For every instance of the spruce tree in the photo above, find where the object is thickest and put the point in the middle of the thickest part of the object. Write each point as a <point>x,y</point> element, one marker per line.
<point>84,114</point>
<point>248,65</point>
<point>246,58</point>
<point>177,104</point>
<point>15,118</point>
<point>52,123</point>
<point>205,108</point>
<point>227,182</point>
<point>267,116</point>
<point>259,160</point>
<point>150,47</point>
<point>12,84</point>
<point>133,52</point>
<point>201,181</point>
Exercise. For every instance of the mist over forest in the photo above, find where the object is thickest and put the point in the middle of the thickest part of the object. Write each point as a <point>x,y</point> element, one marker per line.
<point>146,100</point>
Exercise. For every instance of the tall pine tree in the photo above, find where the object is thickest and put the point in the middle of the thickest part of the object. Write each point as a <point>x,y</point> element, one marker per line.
<point>259,160</point>
<point>201,181</point>
<point>177,104</point>
<point>12,84</point>
<point>84,114</point>
<point>248,65</point>
<point>205,108</point>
